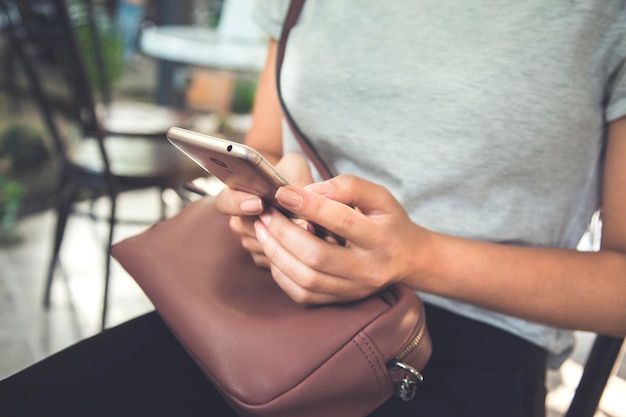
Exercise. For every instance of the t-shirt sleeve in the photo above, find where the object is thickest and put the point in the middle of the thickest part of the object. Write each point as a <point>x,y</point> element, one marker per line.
<point>269,15</point>
<point>616,107</point>
<point>616,104</point>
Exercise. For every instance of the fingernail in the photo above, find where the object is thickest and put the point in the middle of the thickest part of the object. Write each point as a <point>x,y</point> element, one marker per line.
<point>289,198</point>
<point>252,206</point>
<point>261,232</point>
<point>320,187</point>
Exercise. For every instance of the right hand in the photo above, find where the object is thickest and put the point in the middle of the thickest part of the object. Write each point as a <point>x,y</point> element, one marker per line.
<point>245,207</point>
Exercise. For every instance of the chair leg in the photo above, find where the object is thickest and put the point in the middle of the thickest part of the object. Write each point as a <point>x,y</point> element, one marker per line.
<point>64,206</point>
<point>163,203</point>
<point>12,89</point>
<point>107,268</point>
<point>600,363</point>
<point>92,204</point>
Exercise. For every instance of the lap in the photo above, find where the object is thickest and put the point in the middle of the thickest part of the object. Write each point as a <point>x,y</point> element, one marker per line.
<point>139,368</point>
<point>135,369</point>
<point>475,370</point>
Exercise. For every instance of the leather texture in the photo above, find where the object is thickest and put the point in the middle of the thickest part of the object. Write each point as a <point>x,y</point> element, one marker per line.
<point>266,354</point>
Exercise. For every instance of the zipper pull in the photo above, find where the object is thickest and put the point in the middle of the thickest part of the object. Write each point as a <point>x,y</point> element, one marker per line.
<point>407,386</point>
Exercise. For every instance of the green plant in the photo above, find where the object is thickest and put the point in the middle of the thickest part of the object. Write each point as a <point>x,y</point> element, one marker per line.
<point>111,45</point>
<point>11,193</point>
<point>243,95</point>
<point>110,42</point>
<point>23,155</point>
<point>22,151</point>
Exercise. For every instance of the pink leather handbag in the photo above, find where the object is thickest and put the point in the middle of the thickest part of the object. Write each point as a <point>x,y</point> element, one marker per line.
<point>266,354</point>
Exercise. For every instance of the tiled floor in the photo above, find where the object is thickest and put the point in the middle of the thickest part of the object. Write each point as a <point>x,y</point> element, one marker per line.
<point>29,333</point>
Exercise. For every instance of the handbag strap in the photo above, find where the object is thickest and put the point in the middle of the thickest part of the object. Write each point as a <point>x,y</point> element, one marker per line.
<point>293,13</point>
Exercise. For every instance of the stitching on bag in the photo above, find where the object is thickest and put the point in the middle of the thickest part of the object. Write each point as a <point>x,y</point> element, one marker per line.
<point>375,364</point>
<point>379,363</point>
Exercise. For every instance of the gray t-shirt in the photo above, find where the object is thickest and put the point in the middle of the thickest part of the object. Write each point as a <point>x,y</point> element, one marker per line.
<point>486,119</point>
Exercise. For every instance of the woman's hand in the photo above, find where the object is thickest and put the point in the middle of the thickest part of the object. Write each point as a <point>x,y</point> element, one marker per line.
<point>382,246</point>
<point>245,208</point>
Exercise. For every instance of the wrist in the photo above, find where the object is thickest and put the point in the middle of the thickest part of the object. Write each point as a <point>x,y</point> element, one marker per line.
<point>424,260</point>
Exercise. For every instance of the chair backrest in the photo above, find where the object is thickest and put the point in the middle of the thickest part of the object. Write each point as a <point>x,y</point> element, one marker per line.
<point>7,79</point>
<point>105,47</point>
<point>604,356</point>
<point>45,43</point>
<point>101,73</point>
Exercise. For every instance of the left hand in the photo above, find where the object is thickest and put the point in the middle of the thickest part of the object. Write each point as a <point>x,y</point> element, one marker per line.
<point>383,245</point>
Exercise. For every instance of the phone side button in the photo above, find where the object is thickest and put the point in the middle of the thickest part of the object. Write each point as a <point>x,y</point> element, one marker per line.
<point>280,179</point>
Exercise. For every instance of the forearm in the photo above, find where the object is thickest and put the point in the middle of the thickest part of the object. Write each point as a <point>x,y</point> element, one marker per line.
<point>565,288</point>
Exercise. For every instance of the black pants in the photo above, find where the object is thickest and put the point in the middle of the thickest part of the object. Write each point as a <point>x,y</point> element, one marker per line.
<point>139,369</point>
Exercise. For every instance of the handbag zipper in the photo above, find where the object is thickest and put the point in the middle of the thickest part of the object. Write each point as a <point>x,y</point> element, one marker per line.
<point>414,343</point>
<point>407,386</point>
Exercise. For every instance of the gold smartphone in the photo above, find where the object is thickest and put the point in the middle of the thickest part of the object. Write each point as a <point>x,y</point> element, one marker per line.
<point>238,166</point>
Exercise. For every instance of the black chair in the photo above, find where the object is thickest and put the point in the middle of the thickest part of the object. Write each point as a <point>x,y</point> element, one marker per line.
<point>601,362</point>
<point>92,164</point>
<point>7,70</point>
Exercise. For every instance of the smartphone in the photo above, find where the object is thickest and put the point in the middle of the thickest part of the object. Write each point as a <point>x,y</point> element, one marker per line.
<point>238,166</point>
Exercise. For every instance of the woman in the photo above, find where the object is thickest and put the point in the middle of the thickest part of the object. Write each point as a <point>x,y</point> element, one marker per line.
<point>476,140</point>
<point>478,135</point>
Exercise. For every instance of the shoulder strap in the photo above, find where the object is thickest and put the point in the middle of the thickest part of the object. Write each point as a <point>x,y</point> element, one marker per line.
<point>292,17</point>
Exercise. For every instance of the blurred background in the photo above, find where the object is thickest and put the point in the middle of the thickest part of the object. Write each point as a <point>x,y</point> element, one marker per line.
<point>87,90</point>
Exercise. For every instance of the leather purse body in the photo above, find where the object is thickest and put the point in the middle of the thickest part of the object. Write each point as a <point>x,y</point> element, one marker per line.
<point>266,354</point>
